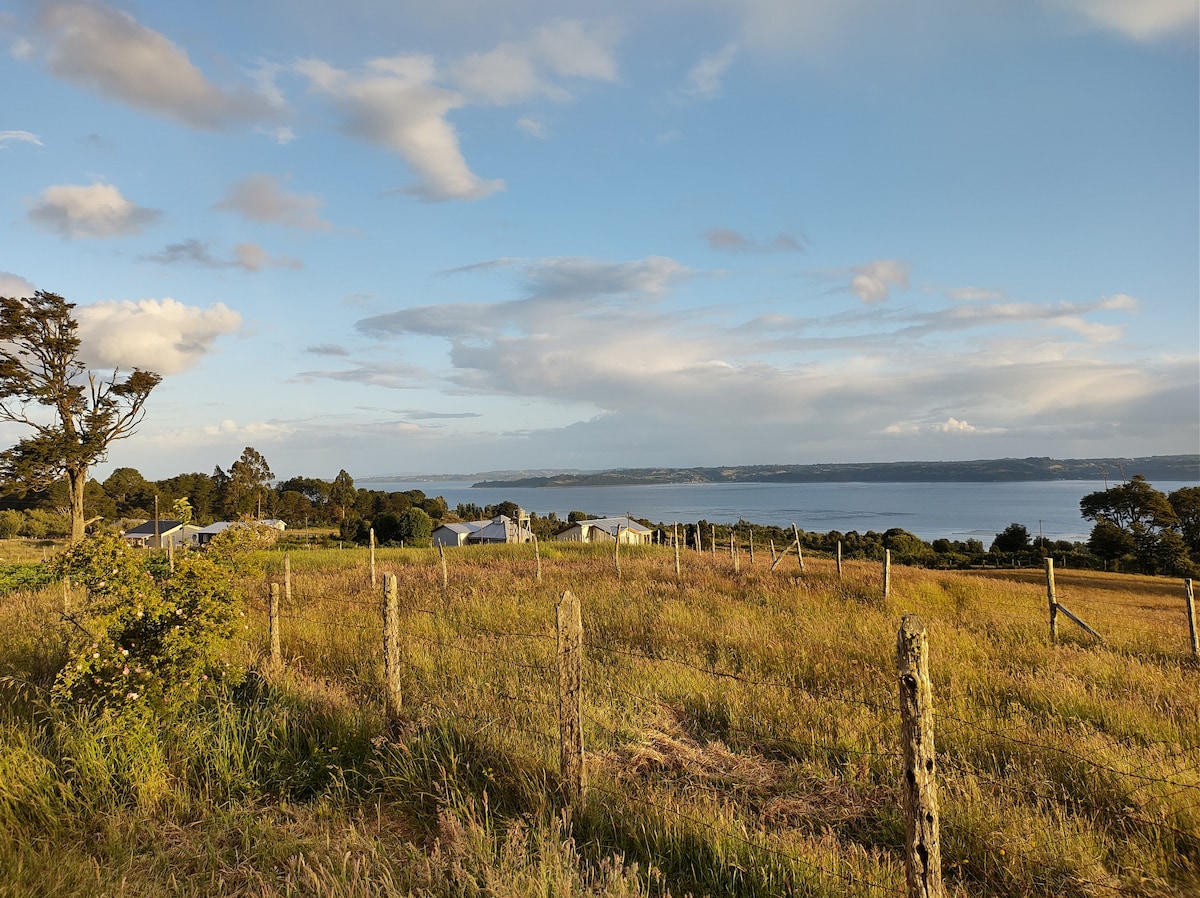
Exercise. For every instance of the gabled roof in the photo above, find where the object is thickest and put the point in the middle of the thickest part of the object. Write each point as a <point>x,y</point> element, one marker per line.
<point>467,527</point>
<point>610,525</point>
<point>148,528</point>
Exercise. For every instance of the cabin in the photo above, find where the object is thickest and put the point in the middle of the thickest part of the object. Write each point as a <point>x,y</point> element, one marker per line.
<point>500,529</point>
<point>159,534</point>
<point>599,530</point>
<point>455,534</point>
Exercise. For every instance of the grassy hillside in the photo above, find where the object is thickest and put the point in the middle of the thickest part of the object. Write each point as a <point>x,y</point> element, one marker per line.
<point>741,729</point>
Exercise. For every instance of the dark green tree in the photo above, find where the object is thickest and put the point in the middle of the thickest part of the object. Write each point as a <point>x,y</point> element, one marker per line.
<point>1186,504</point>
<point>249,479</point>
<point>74,413</point>
<point>1014,538</point>
<point>342,493</point>
<point>1145,514</point>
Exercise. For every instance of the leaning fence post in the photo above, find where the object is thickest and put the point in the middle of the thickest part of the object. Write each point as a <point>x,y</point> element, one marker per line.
<point>276,649</point>
<point>1191,613</point>
<point>923,854</point>
<point>887,572</point>
<point>799,551</point>
<point>1052,599</point>
<point>393,698</point>
<point>570,699</point>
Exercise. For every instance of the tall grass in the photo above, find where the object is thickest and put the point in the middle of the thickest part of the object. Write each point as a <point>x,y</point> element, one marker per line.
<point>741,730</point>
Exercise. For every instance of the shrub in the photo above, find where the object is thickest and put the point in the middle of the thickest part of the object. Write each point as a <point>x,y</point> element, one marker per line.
<point>144,643</point>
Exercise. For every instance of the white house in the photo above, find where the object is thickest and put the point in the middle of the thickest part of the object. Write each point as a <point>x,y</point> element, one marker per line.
<point>606,530</point>
<point>456,534</point>
<point>159,534</point>
<point>501,529</point>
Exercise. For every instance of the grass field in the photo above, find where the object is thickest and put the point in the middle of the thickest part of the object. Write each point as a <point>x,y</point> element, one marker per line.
<point>741,730</point>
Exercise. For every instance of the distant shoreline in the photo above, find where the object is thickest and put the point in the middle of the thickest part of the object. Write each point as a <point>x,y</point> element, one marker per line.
<point>1185,468</point>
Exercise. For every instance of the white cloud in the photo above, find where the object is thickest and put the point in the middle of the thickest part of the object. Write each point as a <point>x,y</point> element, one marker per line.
<point>164,335</point>
<point>111,53</point>
<point>247,256</point>
<point>973,294</point>
<point>260,198</point>
<point>1141,20</point>
<point>953,425</point>
<point>533,127</point>
<point>15,286</point>
<point>873,281</point>
<point>396,105</point>
<point>518,71</point>
<point>704,79</point>
<point>729,240</point>
<point>98,211</point>
<point>7,137</point>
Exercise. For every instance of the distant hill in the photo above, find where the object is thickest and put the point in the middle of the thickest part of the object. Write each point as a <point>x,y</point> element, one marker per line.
<point>1156,467</point>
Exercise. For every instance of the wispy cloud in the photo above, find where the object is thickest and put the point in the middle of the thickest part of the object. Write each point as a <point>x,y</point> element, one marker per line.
<point>246,256</point>
<point>111,53</point>
<point>75,211</point>
<point>261,198</point>
<point>704,78</point>
<point>7,137</point>
<point>1143,20</point>
<point>729,240</point>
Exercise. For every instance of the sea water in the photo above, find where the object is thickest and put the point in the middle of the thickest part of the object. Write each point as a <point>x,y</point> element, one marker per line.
<point>957,511</point>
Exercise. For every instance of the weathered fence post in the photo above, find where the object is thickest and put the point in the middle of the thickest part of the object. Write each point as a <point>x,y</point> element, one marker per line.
<point>887,572</point>
<point>713,539</point>
<point>392,698</point>
<point>1191,614</point>
<point>751,548</point>
<point>733,550</point>
<point>772,553</point>
<point>570,699</point>
<point>617,552</point>
<point>839,559</point>
<point>371,539</point>
<point>537,554</point>
<point>445,570</point>
<point>1052,599</point>
<point>799,551</point>
<point>675,540</point>
<point>923,854</point>
<point>273,628</point>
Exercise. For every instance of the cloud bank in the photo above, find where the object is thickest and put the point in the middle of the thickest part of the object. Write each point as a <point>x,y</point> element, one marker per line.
<point>164,335</point>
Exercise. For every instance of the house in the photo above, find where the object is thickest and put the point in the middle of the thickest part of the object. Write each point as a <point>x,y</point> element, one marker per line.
<point>456,534</point>
<point>204,535</point>
<point>159,534</point>
<point>606,530</point>
<point>502,529</point>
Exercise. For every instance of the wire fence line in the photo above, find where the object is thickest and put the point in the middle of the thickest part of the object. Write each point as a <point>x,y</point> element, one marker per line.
<point>635,695</point>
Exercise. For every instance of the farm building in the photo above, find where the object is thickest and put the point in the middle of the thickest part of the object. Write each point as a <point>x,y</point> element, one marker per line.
<point>159,534</point>
<point>455,534</point>
<point>500,529</point>
<point>205,534</point>
<point>606,530</point>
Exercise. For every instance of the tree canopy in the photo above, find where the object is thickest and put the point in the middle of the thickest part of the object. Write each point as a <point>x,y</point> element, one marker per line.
<point>73,413</point>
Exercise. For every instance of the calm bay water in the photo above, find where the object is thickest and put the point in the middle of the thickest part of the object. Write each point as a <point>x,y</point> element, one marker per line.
<point>929,510</point>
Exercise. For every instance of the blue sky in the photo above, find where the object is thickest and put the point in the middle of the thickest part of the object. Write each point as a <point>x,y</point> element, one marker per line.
<point>399,237</point>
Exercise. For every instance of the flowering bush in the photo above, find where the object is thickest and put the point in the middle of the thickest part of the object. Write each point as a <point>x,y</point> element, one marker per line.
<point>139,641</point>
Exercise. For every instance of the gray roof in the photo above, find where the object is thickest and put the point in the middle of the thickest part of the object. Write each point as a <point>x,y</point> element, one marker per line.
<point>148,528</point>
<point>463,526</point>
<point>610,525</point>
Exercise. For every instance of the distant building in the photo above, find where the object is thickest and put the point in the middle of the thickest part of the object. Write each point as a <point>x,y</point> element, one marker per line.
<point>606,530</point>
<point>159,534</point>
<point>456,534</point>
<point>204,535</point>
<point>500,529</point>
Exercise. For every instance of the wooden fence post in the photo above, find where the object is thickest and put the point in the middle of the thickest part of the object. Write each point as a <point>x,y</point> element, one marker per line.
<point>537,554</point>
<point>287,579</point>
<point>371,538</point>
<point>751,548</point>
<point>392,699</point>
<point>1191,614</point>
<point>675,540</point>
<point>617,552</point>
<point>923,854</point>
<point>1052,599</point>
<point>276,649</point>
<point>445,570</point>
<point>799,551</point>
<point>570,699</point>
<point>887,572</point>
<point>713,539</point>
<point>839,559</point>
<point>733,550</point>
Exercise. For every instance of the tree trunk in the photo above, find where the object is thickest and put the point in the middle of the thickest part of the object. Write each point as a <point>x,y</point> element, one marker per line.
<point>77,481</point>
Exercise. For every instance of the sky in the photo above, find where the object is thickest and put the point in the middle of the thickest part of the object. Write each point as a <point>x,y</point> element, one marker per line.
<point>397,237</point>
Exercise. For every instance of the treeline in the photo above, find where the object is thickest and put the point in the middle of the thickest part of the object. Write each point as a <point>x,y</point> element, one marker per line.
<point>1136,527</point>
